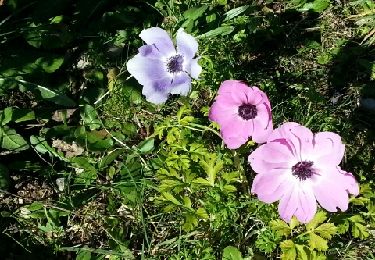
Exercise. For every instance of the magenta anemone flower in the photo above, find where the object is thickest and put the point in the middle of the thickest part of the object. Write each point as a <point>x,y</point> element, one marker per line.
<point>241,112</point>
<point>160,68</point>
<point>299,168</point>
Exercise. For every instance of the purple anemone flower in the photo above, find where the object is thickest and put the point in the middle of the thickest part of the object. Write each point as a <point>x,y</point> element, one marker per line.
<point>160,68</point>
<point>299,168</point>
<point>241,112</point>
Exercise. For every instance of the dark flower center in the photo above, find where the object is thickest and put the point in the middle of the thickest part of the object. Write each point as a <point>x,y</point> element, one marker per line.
<point>174,63</point>
<point>247,111</point>
<point>303,170</point>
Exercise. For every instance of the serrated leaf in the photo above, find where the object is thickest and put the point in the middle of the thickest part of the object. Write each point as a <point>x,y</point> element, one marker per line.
<point>187,202</point>
<point>10,140</point>
<point>288,250</point>
<point>293,222</point>
<point>326,230</point>
<point>319,218</point>
<point>168,196</point>
<point>202,213</point>
<point>201,181</point>
<point>229,188</point>
<point>317,242</point>
<point>280,227</point>
<point>301,252</point>
<point>231,253</point>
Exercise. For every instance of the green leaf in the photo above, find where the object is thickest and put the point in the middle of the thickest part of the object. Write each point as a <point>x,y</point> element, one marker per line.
<point>40,144</point>
<point>293,222</point>
<point>359,230</point>
<point>288,249</point>
<point>280,227</point>
<point>326,230</point>
<point>83,255</point>
<point>146,146</point>
<point>168,196</point>
<point>302,254</point>
<point>110,157</point>
<point>46,93</point>
<point>195,12</point>
<point>317,242</point>
<point>316,6</point>
<point>223,30</point>
<point>4,177</point>
<point>229,188</point>
<point>201,181</point>
<point>10,140</point>
<point>6,115</point>
<point>232,253</point>
<point>235,12</point>
<point>202,213</point>
<point>90,117</point>
<point>319,218</point>
<point>212,166</point>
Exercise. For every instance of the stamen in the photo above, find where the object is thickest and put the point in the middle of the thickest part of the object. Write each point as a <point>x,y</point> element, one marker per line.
<point>174,63</point>
<point>247,111</point>
<point>303,170</point>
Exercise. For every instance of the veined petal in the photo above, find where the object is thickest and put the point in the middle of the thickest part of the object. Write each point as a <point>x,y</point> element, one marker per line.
<point>233,132</point>
<point>328,149</point>
<point>160,39</point>
<point>289,203</point>
<point>145,70</point>
<point>307,204</point>
<point>187,45</point>
<point>270,187</point>
<point>329,191</point>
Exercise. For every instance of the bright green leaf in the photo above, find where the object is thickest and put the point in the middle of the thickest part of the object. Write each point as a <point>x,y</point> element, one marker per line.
<point>232,253</point>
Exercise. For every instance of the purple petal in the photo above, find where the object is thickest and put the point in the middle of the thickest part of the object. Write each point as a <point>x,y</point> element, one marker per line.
<point>150,51</point>
<point>181,84</point>
<point>186,44</point>
<point>145,70</point>
<point>195,68</point>
<point>160,39</point>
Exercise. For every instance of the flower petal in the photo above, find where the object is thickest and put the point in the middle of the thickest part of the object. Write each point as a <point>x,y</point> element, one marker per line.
<point>328,148</point>
<point>187,45</point>
<point>262,124</point>
<point>195,68</point>
<point>160,39</point>
<point>289,203</point>
<point>181,84</point>
<point>270,187</point>
<point>145,70</point>
<point>237,90</point>
<point>233,132</point>
<point>307,204</point>
<point>149,51</point>
<point>330,192</point>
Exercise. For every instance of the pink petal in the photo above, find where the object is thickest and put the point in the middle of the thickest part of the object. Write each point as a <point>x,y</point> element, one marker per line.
<point>221,114</point>
<point>289,203</point>
<point>254,96</point>
<point>234,132</point>
<point>236,88</point>
<point>348,180</point>
<point>270,187</point>
<point>328,148</point>
<point>262,124</point>
<point>307,204</point>
<point>330,192</point>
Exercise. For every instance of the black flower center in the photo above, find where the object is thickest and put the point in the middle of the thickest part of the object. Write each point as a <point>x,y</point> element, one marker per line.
<point>174,63</point>
<point>247,111</point>
<point>303,170</point>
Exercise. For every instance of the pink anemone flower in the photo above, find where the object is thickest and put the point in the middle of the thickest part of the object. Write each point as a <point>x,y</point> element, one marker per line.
<point>241,112</point>
<point>299,168</point>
